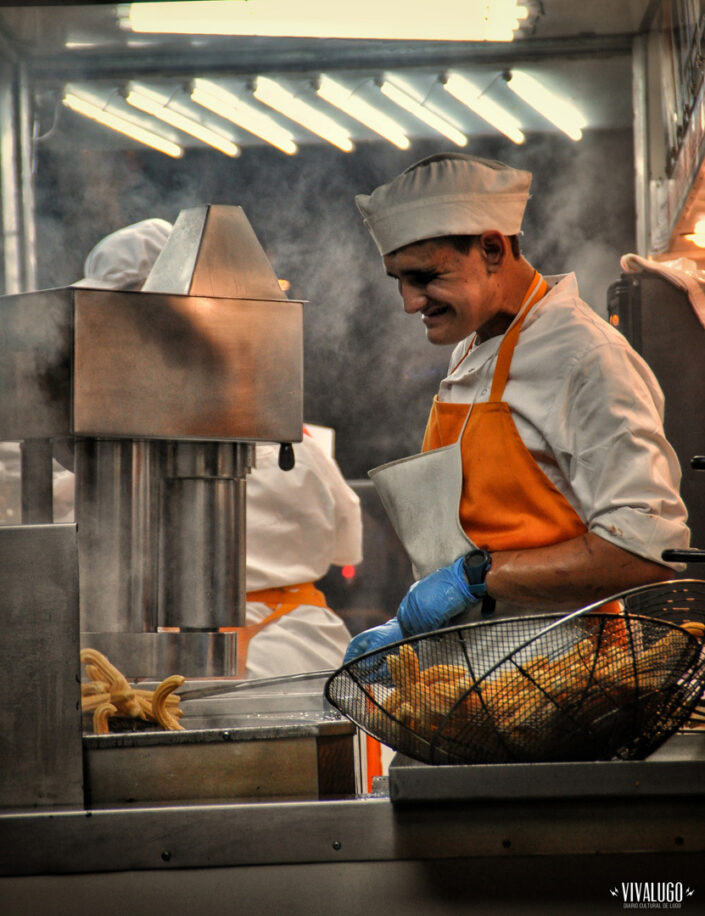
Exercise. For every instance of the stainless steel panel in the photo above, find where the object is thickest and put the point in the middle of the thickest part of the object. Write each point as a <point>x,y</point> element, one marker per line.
<point>222,769</point>
<point>35,365</point>
<point>663,774</point>
<point>40,722</point>
<point>370,830</point>
<point>164,366</point>
<point>213,251</point>
<point>454,886</point>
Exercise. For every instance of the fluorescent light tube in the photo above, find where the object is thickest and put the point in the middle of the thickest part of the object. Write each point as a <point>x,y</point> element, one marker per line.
<point>406,98</point>
<point>122,125</point>
<point>563,114</point>
<point>227,105</point>
<point>156,104</point>
<point>467,93</point>
<point>451,20</point>
<point>273,94</point>
<point>340,97</point>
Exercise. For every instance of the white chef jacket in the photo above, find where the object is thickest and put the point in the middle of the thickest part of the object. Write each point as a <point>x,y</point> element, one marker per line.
<point>298,524</point>
<point>590,412</point>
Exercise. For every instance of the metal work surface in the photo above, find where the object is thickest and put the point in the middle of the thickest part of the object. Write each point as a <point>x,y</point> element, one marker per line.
<point>204,836</point>
<point>678,768</point>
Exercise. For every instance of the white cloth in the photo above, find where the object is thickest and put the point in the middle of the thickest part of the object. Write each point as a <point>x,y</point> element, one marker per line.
<point>11,487</point>
<point>306,639</point>
<point>590,412</point>
<point>299,523</point>
<point>682,272</point>
<point>123,259</point>
<point>445,194</point>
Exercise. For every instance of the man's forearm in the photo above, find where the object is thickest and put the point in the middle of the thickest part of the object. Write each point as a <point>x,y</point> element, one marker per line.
<point>568,575</point>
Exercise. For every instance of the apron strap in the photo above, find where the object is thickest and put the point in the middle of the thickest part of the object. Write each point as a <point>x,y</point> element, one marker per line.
<point>281,601</point>
<point>536,291</point>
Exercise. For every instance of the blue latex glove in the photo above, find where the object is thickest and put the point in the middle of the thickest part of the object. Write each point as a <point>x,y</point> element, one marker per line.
<point>375,638</point>
<point>432,602</point>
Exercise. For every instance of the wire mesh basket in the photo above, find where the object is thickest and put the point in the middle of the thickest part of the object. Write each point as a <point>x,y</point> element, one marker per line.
<point>590,686</point>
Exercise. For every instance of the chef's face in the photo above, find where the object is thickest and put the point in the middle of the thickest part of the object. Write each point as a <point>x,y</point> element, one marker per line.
<point>454,293</point>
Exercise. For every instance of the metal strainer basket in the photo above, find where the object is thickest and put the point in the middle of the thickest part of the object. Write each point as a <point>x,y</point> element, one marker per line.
<point>589,686</point>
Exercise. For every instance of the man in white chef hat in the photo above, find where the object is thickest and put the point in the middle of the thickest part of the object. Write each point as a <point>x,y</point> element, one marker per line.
<point>299,522</point>
<point>545,482</point>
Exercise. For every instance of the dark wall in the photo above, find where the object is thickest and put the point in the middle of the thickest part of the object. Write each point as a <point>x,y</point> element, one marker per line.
<point>369,371</point>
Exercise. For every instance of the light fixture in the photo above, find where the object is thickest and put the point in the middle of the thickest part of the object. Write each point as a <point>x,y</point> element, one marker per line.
<point>697,236</point>
<point>280,99</point>
<point>407,98</point>
<point>451,20</point>
<point>337,95</point>
<point>558,111</point>
<point>157,104</point>
<point>121,124</point>
<point>227,105</point>
<point>467,93</point>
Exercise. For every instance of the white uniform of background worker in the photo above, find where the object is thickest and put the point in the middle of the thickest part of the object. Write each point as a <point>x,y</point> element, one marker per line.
<point>299,522</point>
<point>546,482</point>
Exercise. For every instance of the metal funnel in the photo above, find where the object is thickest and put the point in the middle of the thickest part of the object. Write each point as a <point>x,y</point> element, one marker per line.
<point>212,251</point>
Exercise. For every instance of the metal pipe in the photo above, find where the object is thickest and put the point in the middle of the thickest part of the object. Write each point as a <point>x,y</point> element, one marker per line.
<point>202,563</point>
<point>117,486</point>
<point>26,179</point>
<point>9,191</point>
<point>36,481</point>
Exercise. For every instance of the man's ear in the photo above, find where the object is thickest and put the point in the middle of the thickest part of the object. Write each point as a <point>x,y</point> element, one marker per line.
<point>494,249</point>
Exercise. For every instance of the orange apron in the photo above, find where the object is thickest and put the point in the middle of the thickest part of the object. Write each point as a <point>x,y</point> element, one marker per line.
<point>280,601</point>
<point>507,502</point>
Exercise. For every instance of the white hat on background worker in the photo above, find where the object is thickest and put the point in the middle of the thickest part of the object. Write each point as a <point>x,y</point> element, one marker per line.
<point>445,194</point>
<point>123,259</point>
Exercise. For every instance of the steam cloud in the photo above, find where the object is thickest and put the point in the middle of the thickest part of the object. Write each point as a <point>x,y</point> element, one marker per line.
<point>369,371</point>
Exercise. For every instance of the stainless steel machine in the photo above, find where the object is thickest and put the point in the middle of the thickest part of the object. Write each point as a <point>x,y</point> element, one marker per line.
<point>155,399</point>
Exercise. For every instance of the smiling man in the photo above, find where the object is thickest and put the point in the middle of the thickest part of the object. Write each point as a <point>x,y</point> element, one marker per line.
<point>545,481</point>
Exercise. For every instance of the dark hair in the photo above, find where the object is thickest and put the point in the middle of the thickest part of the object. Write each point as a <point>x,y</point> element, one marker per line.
<point>463,243</point>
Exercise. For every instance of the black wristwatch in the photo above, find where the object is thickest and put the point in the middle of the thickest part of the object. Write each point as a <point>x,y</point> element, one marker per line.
<point>476,565</point>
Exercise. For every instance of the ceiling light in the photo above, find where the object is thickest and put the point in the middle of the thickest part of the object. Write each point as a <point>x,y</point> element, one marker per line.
<point>227,105</point>
<point>157,104</point>
<point>404,96</point>
<point>271,93</point>
<point>336,94</point>
<point>467,93</point>
<point>452,20</point>
<point>558,111</point>
<point>121,124</point>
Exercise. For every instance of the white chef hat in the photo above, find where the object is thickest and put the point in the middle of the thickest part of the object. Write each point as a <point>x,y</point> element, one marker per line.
<point>123,259</point>
<point>445,194</point>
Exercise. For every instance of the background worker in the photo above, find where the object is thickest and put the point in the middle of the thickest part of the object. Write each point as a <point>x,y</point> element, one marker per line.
<point>545,481</point>
<point>298,522</point>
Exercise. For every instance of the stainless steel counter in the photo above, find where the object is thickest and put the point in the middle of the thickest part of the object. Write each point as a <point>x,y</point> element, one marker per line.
<point>563,850</point>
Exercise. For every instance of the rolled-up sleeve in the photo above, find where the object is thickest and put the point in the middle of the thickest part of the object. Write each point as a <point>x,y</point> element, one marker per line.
<point>612,448</point>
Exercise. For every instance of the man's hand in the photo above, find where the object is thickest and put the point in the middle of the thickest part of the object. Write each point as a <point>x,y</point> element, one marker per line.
<point>375,638</point>
<point>435,600</point>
